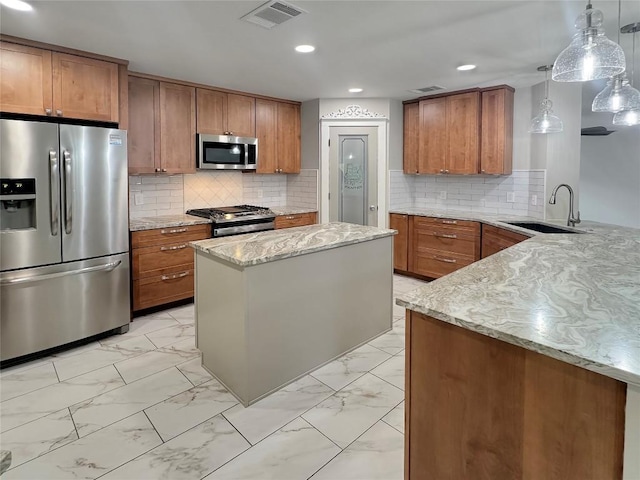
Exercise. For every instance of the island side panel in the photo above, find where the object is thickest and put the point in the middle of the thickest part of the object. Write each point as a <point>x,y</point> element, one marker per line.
<point>632,434</point>
<point>220,325</point>
<point>481,408</point>
<point>307,310</point>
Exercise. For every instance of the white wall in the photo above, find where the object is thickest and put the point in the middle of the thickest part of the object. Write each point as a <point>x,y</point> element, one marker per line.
<point>396,136</point>
<point>522,113</point>
<point>310,133</point>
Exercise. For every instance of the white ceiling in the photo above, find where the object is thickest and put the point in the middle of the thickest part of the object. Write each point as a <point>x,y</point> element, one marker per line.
<point>385,47</point>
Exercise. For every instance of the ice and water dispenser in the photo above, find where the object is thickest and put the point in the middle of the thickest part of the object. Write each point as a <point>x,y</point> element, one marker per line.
<point>17,203</point>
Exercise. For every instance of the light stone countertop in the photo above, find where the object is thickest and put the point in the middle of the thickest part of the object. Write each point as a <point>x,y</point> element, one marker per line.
<point>286,210</point>
<point>272,245</point>
<point>165,221</point>
<point>572,297</point>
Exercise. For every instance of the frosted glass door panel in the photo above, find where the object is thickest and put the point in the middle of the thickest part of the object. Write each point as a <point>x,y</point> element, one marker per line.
<point>353,175</point>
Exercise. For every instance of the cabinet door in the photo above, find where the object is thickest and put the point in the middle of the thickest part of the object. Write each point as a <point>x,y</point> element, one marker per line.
<point>143,138</point>
<point>433,136</point>
<point>85,88</point>
<point>25,82</point>
<point>400,241</point>
<point>212,111</point>
<point>241,115</point>
<point>496,143</point>
<point>288,138</point>
<point>177,128</point>
<point>411,144</point>
<point>266,118</point>
<point>463,133</point>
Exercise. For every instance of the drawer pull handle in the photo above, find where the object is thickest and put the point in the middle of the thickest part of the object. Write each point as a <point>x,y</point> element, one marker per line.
<point>173,277</point>
<point>175,230</point>
<point>450,222</point>
<point>290,217</point>
<point>446,260</point>
<point>445,235</point>
<point>177,247</point>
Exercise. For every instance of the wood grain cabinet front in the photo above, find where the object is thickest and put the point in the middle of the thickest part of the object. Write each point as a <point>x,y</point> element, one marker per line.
<point>400,223</point>
<point>163,263</point>
<point>278,133</point>
<point>295,220</point>
<point>36,81</point>
<point>221,113</point>
<point>496,239</point>
<point>439,246</point>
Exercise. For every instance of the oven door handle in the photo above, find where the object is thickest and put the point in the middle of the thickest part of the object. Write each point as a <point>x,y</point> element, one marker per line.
<point>107,267</point>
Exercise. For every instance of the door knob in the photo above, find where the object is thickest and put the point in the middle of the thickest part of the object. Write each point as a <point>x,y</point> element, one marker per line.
<point>373,208</point>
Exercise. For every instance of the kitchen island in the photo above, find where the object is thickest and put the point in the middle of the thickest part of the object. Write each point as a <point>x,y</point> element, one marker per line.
<point>527,364</point>
<point>273,306</point>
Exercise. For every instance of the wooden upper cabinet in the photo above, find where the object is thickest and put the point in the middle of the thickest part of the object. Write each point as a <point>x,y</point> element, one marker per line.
<point>463,128</point>
<point>433,136</point>
<point>221,113</point>
<point>288,138</point>
<point>177,128</point>
<point>144,125</point>
<point>411,145</point>
<point>212,111</point>
<point>496,141</point>
<point>85,88</point>
<point>241,115</point>
<point>266,132</point>
<point>25,80</point>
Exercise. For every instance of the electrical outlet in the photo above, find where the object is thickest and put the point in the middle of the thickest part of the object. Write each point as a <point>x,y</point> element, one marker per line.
<point>138,199</point>
<point>511,197</point>
<point>259,193</point>
<point>534,200</point>
<point>443,195</point>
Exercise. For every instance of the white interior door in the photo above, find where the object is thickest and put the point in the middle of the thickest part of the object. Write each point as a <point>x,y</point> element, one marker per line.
<point>353,176</point>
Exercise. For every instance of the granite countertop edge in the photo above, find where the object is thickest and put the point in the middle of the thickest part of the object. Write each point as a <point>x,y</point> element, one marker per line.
<point>165,221</point>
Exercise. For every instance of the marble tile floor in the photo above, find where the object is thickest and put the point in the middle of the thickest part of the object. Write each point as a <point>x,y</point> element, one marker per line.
<point>139,406</point>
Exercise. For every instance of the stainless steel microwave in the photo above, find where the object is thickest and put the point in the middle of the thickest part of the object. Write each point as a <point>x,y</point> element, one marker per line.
<point>226,152</point>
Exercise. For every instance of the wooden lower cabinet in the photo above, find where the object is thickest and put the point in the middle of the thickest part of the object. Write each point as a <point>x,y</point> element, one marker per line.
<point>495,239</point>
<point>295,220</point>
<point>480,408</point>
<point>162,264</point>
<point>400,253</point>
<point>439,246</point>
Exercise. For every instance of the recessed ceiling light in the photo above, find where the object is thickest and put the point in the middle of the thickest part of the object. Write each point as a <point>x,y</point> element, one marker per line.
<point>355,90</point>
<point>464,68</point>
<point>17,5</point>
<point>305,48</point>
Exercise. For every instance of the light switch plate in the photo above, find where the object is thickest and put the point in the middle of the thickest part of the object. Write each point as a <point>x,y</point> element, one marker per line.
<point>534,200</point>
<point>138,199</point>
<point>259,193</point>
<point>511,197</point>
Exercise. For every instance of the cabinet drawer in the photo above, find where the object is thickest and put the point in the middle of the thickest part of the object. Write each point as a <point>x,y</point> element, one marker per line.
<point>435,263</point>
<point>296,220</point>
<point>447,240</point>
<point>150,261</point>
<point>453,225</point>
<point>162,236</point>
<point>170,286</point>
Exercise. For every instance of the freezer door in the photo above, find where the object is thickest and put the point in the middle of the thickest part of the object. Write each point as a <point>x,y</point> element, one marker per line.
<point>93,165</point>
<point>29,223</point>
<point>50,306</point>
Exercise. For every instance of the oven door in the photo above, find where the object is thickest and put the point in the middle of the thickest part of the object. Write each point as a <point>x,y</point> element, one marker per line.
<point>225,152</point>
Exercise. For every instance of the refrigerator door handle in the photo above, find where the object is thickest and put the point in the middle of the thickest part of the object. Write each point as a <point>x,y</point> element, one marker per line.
<point>107,267</point>
<point>54,188</point>
<point>68,194</point>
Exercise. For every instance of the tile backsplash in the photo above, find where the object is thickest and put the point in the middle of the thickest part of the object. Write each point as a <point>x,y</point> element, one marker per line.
<point>154,195</point>
<point>478,193</point>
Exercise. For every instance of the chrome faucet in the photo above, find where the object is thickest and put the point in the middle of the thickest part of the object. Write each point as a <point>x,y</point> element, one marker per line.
<point>571,221</point>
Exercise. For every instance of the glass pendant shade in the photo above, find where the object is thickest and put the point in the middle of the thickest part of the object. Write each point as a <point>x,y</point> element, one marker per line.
<point>590,55</point>
<point>546,121</point>
<point>617,95</point>
<point>627,118</point>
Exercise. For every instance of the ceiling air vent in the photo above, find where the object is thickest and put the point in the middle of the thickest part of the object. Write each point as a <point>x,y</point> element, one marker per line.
<point>272,13</point>
<point>432,88</point>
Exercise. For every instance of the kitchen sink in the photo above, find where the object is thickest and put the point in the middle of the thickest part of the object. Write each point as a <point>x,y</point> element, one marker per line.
<point>541,227</point>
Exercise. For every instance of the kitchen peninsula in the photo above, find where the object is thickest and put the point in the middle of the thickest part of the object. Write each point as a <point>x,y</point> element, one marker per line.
<point>526,364</point>
<point>272,306</point>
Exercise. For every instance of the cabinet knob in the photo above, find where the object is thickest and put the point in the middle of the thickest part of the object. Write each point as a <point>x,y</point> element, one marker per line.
<point>157,169</point>
<point>59,113</point>
<point>164,169</point>
<point>446,171</point>
<point>47,111</point>
<point>441,170</point>
<point>482,171</point>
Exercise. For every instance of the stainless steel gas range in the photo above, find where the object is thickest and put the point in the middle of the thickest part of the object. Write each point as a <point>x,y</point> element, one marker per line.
<point>237,219</point>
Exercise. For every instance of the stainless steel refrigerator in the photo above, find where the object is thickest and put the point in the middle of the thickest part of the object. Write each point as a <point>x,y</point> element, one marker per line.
<point>64,234</point>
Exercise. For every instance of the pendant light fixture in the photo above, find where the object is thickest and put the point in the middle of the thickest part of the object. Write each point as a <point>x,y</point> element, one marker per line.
<point>590,55</point>
<point>545,121</point>
<point>618,94</point>
<point>630,116</point>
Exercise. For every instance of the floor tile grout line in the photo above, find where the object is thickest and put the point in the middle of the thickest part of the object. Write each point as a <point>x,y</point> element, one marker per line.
<point>396,429</point>
<point>359,377</point>
<point>146,376</point>
<point>188,380</point>
<point>34,390</point>
<point>388,382</point>
<point>154,427</point>
<point>321,433</point>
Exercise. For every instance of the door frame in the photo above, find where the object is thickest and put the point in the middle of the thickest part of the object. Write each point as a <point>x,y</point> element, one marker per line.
<point>383,159</point>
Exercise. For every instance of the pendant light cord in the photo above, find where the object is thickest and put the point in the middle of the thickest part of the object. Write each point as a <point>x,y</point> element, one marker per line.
<point>619,9</point>
<point>633,58</point>
<point>546,83</point>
